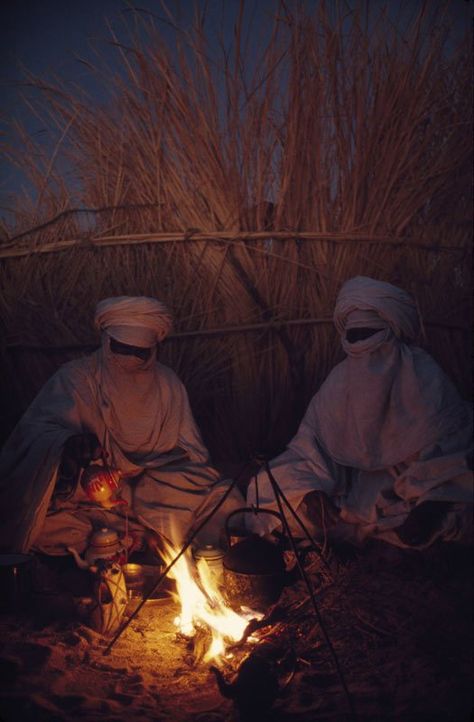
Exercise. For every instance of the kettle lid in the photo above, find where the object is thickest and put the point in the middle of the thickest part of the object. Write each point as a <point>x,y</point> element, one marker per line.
<point>208,552</point>
<point>104,537</point>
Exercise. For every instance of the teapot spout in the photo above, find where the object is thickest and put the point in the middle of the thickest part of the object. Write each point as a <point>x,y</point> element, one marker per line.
<point>81,563</point>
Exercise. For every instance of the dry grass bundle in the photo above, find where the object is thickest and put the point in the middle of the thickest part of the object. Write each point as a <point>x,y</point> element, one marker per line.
<point>243,189</point>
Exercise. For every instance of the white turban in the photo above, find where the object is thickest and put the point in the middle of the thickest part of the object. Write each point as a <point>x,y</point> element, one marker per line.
<point>134,320</point>
<point>361,300</point>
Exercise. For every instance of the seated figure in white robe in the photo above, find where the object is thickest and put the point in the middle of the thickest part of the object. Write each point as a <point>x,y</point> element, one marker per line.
<point>121,408</point>
<point>385,447</point>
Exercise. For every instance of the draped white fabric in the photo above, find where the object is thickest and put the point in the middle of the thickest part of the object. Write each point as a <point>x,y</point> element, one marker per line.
<point>387,400</point>
<point>387,411</point>
<point>141,416</point>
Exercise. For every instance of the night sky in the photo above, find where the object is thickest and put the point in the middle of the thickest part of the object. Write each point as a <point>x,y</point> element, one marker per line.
<point>47,37</point>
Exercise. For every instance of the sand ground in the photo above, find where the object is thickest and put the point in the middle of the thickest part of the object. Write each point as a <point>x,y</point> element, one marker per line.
<point>400,625</point>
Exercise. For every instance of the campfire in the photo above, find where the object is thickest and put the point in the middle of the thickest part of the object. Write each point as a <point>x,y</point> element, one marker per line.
<point>255,647</point>
<point>204,607</point>
<point>239,645</point>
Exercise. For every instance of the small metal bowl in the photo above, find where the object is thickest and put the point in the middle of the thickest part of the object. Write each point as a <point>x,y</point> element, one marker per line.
<point>134,579</point>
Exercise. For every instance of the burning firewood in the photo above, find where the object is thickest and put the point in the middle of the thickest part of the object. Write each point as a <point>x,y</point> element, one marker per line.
<point>277,613</point>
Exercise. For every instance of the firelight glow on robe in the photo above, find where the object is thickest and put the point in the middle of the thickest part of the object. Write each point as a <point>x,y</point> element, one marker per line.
<point>386,431</point>
<point>140,413</point>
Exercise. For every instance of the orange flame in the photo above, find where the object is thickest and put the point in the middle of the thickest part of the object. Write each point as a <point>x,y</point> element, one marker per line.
<point>202,603</point>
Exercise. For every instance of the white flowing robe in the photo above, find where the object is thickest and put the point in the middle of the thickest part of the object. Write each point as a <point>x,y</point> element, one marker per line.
<point>386,431</point>
<point>143,420</point>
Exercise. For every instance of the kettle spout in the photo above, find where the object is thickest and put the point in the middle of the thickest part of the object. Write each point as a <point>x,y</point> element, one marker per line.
<point>81,563</point>
<point>225,688</point>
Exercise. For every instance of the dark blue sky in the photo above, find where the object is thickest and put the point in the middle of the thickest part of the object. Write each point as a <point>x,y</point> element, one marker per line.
<point>44,35</point>
<point>47,37</point>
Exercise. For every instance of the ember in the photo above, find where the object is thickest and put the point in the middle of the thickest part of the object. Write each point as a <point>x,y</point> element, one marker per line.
<point>202,603</point>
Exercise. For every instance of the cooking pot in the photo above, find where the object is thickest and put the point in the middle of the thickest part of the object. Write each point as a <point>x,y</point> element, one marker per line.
<point>254,568</point>
<point>213,556</point>
<point>16,576</point>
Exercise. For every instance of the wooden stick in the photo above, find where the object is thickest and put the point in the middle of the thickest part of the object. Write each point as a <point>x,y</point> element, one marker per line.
<point>222,237</point>
<point>275,325</point>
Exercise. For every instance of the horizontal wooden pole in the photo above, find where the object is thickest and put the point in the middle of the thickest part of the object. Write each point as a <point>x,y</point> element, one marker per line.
<point>206,332</point>
<point>8,250</point>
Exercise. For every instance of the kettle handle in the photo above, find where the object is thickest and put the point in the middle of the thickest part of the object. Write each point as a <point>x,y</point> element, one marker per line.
<point>245,509</point>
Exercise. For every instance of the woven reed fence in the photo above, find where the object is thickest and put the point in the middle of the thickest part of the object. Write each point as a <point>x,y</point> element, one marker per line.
<point>243,198</point>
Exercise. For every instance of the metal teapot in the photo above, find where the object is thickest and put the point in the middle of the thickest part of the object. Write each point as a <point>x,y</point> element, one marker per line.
<point>106,546</point>
<point>102,485</point>
<point>254,568</point>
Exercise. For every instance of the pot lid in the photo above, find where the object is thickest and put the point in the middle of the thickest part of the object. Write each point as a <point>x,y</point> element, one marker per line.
<point>209,552</point>
<point>254,555</point>
<point>104,537</point>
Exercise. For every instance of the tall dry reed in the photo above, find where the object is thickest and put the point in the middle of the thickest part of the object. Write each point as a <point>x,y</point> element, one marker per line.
<point>344,140</point>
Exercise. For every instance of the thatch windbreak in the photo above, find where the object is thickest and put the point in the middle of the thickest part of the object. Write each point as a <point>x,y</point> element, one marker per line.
<point>242,185</point>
